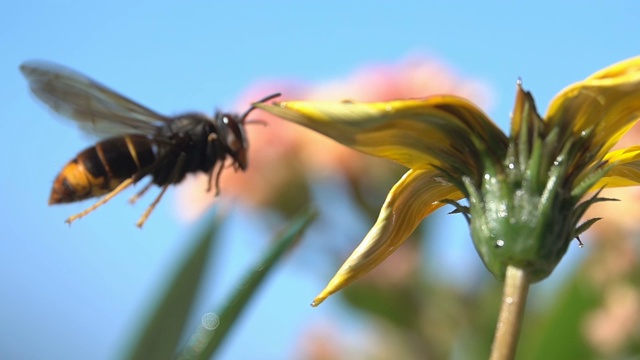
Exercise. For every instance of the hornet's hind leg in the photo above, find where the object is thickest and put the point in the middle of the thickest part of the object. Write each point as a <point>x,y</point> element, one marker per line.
<point>123,185</point>
<point>174,175</point>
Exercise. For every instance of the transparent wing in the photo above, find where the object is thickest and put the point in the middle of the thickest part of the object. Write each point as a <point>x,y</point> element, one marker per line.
<point>97,109</point>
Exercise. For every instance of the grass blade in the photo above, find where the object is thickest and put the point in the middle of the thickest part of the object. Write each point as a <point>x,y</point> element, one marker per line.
<point>165,326</point>
<point>207,339</point>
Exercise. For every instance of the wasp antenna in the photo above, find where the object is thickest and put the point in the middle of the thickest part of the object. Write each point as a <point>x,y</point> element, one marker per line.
<point>265,99</point>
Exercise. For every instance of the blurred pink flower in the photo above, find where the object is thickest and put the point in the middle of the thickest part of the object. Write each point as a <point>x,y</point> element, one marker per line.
<point>610,327</point>
<point>320,342</point>
<point>282,154</point>
<point>375,340</point>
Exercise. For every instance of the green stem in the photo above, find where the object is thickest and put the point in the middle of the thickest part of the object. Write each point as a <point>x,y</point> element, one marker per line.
<point>514,298</point>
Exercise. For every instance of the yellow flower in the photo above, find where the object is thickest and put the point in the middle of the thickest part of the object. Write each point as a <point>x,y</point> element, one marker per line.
<point>524,191</point>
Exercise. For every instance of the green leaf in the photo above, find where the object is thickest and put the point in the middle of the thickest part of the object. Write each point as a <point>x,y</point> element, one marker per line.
<point>397,304</point>
<point>208,337</point>
<point>164,328</point>
<point>558,334</point>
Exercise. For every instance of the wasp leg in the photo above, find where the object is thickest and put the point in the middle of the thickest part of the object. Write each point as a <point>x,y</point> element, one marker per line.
<point>155,202</point>
<point>123,185</point>
<point>137,196</point>
<point>217,179</point>
<point>157,164</point>
<point>209,181</point>
<point>213,137</point>
<point>176,170</point>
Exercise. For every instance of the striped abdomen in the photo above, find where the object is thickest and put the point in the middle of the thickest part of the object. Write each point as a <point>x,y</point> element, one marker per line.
<point>100,168</point>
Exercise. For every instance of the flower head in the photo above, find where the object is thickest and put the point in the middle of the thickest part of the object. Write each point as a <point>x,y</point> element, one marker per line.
<point>525,191</point>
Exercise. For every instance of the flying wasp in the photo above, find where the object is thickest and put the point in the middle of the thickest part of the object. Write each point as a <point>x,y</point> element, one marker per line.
<point>138,142</point>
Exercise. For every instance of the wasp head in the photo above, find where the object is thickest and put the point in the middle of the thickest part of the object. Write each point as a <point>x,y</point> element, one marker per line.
<point>233,137</point>
<point>232,133</point>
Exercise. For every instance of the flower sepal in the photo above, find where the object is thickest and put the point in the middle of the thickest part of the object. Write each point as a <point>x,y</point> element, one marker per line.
<point>525,211</point>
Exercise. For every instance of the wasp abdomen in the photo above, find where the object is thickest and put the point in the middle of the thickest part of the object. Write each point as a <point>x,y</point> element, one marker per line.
<point>99,169</point>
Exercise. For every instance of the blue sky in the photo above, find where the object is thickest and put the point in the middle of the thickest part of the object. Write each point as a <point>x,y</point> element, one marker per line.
<point>71,292</point>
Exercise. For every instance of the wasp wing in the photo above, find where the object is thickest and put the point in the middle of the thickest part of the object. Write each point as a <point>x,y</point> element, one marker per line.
<point>97,109</point>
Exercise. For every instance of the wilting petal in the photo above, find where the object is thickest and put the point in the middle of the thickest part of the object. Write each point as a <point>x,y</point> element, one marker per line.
<point>625,171</point>
<point>416,133</point>
<point>607,102</point>
<point>415,196</point>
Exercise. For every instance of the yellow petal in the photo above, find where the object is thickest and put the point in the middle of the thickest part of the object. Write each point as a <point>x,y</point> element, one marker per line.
<point>414,197</point>
<point>416,133</point>
<point>625,171</point>
<point>607,102</point>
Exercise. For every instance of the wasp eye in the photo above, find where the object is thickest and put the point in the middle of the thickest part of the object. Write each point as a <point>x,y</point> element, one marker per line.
<point>233,142</point>
<point>234,135</point>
